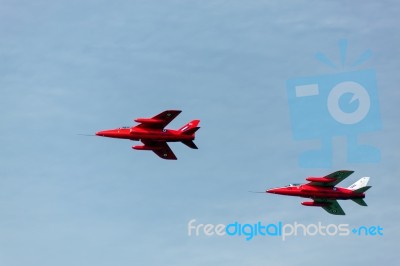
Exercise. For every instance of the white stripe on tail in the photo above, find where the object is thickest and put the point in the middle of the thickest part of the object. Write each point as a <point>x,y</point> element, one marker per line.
<point>189,127</point>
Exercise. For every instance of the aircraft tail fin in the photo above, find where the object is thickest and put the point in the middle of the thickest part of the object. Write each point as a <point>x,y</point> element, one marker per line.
<point>360,202</point>
<point>359,184</point>
<point>190,128</point>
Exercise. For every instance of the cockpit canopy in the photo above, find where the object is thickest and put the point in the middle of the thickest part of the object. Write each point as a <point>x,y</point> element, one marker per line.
<point>294,185</point>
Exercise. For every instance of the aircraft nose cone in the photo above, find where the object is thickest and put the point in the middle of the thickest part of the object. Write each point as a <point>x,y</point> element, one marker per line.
<point>275,190</point>
<point>107,133</point>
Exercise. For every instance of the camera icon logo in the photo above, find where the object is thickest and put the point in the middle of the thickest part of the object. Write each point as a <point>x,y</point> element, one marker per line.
<point>341,104</point>
<point>359,92</point>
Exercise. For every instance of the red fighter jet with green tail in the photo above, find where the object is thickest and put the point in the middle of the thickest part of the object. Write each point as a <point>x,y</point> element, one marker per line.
<point>152,133</point>
<point>324,193</point>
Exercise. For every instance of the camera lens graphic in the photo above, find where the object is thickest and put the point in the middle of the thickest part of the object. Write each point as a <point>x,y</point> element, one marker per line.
<point>359,93</point>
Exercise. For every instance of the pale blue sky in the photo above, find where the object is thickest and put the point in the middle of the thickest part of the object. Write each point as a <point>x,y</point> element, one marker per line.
<point>70,67</point>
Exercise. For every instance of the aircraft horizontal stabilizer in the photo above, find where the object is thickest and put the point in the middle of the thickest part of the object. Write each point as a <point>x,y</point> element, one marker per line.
<point>190,144</point>
<point>360,202</point>
<point>362,190</point>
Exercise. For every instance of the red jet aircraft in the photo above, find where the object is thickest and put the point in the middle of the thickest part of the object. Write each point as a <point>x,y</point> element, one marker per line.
<point>324,193</point>
<point>152,134</point>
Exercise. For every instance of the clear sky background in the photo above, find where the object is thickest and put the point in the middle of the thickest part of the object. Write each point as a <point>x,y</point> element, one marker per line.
<point>70,67</point>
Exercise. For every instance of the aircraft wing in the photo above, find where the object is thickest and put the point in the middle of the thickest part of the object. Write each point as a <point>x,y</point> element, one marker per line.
<point>330,180</point>
<point>332,206</point>
<point>161,149</point>
<point>159,121</point>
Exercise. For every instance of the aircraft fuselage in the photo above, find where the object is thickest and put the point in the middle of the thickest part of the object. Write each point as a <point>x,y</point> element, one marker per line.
<point>307,191</point>
<point>167,135</point>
